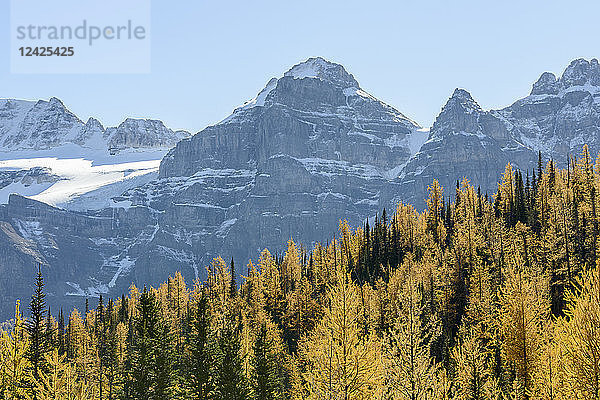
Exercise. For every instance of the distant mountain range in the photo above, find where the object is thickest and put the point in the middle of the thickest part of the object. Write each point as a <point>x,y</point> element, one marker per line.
<point>49,154</point>
<point>310,149</point>
<point>44,125</point>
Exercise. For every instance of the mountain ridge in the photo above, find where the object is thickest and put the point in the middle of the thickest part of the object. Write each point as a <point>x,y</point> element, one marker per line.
<point>46,124</point>
<point>311,148</point>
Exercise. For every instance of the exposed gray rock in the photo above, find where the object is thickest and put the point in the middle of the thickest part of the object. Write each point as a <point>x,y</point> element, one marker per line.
<point>465,142</point>
<point>557,118</point>
<point>142,133</point>
<point>43,125</point>
<point>310,149</point>
<point>27,176</point>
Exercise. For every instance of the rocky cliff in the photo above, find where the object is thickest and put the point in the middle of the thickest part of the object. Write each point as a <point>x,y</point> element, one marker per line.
<point>311,148</point>
<point>557,118</point>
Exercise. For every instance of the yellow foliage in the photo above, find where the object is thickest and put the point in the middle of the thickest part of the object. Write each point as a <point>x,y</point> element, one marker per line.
<point>341,362</point>
<point>14,365</point>
<point>577,341</point>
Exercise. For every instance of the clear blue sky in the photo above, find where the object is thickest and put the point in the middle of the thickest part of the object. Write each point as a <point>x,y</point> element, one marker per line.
<point>210,56</point>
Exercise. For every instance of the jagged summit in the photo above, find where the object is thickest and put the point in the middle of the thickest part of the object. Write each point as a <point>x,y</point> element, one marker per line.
<point>462,98</point>
<point>546,84</point>
<point>49,124</point>
<point>314,68</point>
<point>318,67</point>
<point>459,114</point>
<point>318,86</point>
<point>55,100</point>
<point>580,73</point>
<point>95,123</point>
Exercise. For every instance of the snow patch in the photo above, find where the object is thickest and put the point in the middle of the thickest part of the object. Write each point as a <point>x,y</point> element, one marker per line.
<point>259,100</point>
<point>82,185</point>
<point>123,266</point>
<point>225,226</point>
<point>309,69</point>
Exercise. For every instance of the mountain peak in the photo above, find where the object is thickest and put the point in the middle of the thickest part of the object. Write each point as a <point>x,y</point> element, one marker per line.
<point>55,101</point>
<point>313,68</point>
<point>318,67</point>
<point>581,72</point>
<point>461,93</point>
<point>459,114</point>
<point>462,99</point>
<point>546,84</point>
<point>94,123</point>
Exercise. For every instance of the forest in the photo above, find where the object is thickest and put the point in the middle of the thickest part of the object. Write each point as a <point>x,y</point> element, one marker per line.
<point>477,297</point>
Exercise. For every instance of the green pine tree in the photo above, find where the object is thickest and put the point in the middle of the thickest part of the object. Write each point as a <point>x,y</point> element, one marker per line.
<point>150,361</point>
<point>232,283</point>
<point>199,362</point>
<point>267,376</point>
<point>230,380</point>
<point>36,327</point>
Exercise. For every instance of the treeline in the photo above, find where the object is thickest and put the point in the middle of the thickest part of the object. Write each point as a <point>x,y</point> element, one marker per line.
<point>479,298</point>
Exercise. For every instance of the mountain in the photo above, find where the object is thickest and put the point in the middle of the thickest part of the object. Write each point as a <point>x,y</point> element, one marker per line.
<point>557,118</point>
<point>311,148</point>
<point>560,115</point>
<point>464,141</point>
<point>45,125</point>
<point>49,154</point>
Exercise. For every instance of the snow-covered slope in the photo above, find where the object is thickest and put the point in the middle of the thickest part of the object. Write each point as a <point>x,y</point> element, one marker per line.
<point>73,183</point>
<point>76,165</point>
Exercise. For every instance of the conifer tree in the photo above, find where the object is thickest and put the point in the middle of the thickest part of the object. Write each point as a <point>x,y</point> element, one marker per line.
<point>474,379</point>
<point>525,312</point>
<point>58,380</point>
<point>61,332</point>
<point>150,370</point>
<point>233,283</point>
<point>410,373</point>
<point>112,363</point>
<point>163,368</point>
<point>577,342</point>
<point>100,331</point>
<point>230,380</point>
<point>199,383</point>
<point>35,327</point>
<point>267,373</point>
<point>15,368</point>
<point>340,361</point>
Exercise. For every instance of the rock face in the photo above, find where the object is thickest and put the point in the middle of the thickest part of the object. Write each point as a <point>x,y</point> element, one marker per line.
<point>557,118</point>
<point>36,125</point>
<point>27,177</point>
<point>142,133</point>
<point>316,110</point>
<point>560,115</point>
<point>311,148</point>
<point>43,125</point>
<point>465,141</point>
